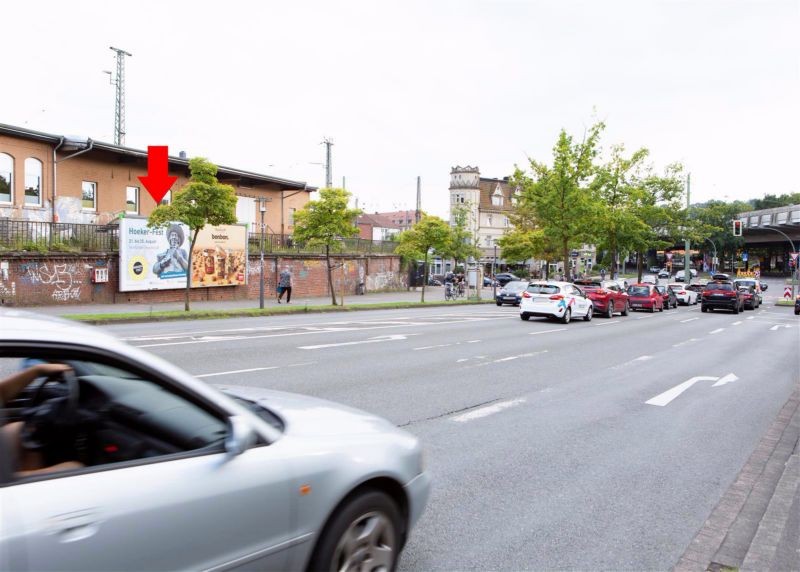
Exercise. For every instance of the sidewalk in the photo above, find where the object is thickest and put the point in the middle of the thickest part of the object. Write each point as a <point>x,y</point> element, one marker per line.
<point>433,294</point>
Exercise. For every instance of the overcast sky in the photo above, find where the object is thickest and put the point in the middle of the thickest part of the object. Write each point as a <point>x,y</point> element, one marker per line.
<point>412,88</point>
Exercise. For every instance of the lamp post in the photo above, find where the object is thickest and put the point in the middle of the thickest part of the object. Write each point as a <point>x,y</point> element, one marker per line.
<point>262,207</point>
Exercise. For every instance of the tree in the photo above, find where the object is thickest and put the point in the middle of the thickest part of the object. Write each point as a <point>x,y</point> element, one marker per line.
<point>325,222</point>
<point>563,204</point>
<point>718,217</point>
<point>203,200</point>
<point>430,233</point>
<point>462,243</point>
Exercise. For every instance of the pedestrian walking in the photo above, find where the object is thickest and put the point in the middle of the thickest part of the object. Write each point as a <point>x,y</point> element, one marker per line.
<point>285,285</point>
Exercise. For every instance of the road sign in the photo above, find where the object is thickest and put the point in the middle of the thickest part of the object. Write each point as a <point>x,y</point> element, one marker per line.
<point>744,257</point>
<point>787,292</point>
<point>669,256</point>
<point>794,255</point>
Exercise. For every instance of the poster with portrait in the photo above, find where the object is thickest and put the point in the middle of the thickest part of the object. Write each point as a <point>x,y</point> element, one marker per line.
<point>219,257</point>
<point>152,258</point>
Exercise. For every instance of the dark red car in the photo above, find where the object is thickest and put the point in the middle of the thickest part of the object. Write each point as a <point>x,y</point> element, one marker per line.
<point>606,296</point>
<point>670,299</point>
<point>722,294</point>
<point>645,297</point>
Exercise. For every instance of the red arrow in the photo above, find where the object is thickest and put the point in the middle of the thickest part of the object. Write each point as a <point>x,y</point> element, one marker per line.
<point>157,182</point>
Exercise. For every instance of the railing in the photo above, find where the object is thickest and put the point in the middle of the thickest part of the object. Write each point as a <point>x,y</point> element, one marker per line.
<point>33,236</point>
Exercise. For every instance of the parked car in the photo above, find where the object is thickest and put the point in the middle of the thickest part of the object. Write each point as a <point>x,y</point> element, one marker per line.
<point>654,269</point>
<point>649,279</point>
<point>722,294</point>
<point>606,296</point>
<point>505,277</point>
<point>684,295</point>
<point>797,306</point>
<point>680,275</point>
<point>558,300</point>
<point>511,293</point>
<point>644,296</point>
<point>750,296</point>
<point>663,273</point>
<point>167,473</point>
<point>670,299</point>
<point>488,281</point>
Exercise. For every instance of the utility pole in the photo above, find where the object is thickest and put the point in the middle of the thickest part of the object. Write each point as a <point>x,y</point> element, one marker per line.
<point>328,170</point>
<point>119,104</point>
<point>419,199</point>
<point>687,272</point>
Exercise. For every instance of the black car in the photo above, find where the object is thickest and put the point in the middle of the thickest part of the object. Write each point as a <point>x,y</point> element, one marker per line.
<point>797,306</point>
<point>511,293</point>
<point>722,294</point>
<point>505,277</point>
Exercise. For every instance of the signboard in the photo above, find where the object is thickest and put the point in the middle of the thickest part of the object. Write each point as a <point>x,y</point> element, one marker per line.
<point>158,258</point>
<point>152,258</point>
<point>219,257</point>
<point>744,257</point>
<point>787,292</point>
<point>669,256</point>
<point>794,255</point>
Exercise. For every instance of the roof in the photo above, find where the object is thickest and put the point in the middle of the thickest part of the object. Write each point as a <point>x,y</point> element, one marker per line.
<point>488,187</point>
<point>376,220</point>
<point>173,161</point>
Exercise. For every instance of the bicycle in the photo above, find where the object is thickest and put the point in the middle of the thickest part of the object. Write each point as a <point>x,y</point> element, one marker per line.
<point>449,291</point>
<point>459,290</point>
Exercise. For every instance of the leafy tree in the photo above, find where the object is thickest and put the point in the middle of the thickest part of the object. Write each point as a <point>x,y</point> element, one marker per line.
<point>772,201</point>
<point>202,201</point>
<point>564,205</point>
<point>462,242</point>
<point>325,222</point>
<point>430,233</point>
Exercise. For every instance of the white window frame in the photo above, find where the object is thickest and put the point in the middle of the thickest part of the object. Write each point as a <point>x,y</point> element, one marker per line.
<point>29,161</point>
<point>93,208</point>
<point>167,199</point>
<point>135,202</point>
<point>10,180</point>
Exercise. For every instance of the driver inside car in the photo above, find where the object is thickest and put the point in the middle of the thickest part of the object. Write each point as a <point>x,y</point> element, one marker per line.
<point>25,461</point>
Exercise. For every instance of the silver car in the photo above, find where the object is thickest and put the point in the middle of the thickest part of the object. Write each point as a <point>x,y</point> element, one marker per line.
<point>114,459</point>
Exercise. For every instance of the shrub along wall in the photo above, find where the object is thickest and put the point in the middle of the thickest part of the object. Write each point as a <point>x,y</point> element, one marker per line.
<point>47,279</point>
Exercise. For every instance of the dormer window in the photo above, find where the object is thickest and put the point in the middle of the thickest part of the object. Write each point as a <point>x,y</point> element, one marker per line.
<point>497,197</point>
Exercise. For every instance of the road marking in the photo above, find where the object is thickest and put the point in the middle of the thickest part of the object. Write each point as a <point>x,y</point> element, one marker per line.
<point>663,399</point>
<point>718,330</point>
<point>546,331</point>
<point>645,317</point>
<point>736,323</point>
<point>689,320</point>
<point>509,358</point>
<point>462,360</point>
<point>777,326</point>
<point>642,358</point>
<point>431,347</point>
<point>633,361</point>
<point>726,379</point>
<point>473,341</point>
<point>374,340</point>
<point>751,318</point>
<point>609,323</point>
<point>486,411</point>
<point>237,371</point>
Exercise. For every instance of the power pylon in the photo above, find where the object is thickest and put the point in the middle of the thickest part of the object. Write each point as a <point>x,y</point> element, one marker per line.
<point>119,105</point>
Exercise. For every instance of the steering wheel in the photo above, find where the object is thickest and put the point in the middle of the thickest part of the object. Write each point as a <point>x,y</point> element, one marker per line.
<point>48,421</point>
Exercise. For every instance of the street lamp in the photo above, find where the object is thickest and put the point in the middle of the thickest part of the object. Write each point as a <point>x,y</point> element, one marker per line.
<point>262,207</point>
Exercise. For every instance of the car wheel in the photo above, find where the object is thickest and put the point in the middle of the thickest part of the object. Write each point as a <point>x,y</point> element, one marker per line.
<point>567,316</point>
<point>589,313</point>
<point>736,309</point>
<point>703,308</point>
<point>653,309</point>
<point>524,316</point>
<point>363,535</point>
<point>661,309</point>
<point>499,303</point>
<point>625,309</point>
<point>610,310</point>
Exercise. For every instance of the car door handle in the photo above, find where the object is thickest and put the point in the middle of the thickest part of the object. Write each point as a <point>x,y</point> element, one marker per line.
<point>74,526</point>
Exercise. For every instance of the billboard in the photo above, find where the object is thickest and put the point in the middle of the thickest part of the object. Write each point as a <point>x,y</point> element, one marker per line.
<point>158,258</point>
<point>152,258</point>
<point>219,257</point>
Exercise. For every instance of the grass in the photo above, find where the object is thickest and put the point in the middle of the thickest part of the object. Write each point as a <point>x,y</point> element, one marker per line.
<point>159,315</point>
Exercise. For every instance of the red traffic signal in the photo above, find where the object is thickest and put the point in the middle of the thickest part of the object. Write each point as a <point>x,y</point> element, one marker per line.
<point>737,228</point>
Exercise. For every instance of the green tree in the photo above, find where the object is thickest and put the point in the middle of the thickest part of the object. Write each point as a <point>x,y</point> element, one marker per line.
<point>430,234</point>
<point>770,201</point>
<point>325,222</point>
<point>462,242</point>
<point>564,205</point>
<point>718,217</point>
<point>202,201</point>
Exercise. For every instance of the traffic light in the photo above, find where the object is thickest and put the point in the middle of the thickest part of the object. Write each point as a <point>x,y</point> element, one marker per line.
<point>737,228</point>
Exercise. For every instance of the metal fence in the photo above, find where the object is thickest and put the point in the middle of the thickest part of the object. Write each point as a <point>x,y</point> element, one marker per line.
<point>33,236</point>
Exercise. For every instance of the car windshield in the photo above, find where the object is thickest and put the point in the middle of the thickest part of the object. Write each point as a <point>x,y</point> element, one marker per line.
<point>543,289</point>
<point>588,283</point>
<point>675,287</point>
<point>721,286</point>
<point>515,286</point>
<point>639,291</point>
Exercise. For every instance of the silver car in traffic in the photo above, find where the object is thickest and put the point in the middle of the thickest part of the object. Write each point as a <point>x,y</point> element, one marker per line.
<point>114,459</point>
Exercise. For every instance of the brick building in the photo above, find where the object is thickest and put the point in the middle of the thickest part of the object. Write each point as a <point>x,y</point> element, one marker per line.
<point>53,178</point>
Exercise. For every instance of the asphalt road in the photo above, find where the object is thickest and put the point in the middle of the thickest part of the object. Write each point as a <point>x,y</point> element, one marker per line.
<point>544,450</point>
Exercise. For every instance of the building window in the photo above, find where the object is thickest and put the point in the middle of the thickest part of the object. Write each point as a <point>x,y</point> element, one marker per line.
<point>89,195</point>
<point>132,200</point>
<point>291,216</point>
<point>6,178</point>
<point>488,220</point>
<point>506,221</point>
<point>167,199</point>
<point>489,241</point>
<point>33,182</point>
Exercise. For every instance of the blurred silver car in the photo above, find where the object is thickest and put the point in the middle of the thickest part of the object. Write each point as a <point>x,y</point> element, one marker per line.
<point>143,467</point>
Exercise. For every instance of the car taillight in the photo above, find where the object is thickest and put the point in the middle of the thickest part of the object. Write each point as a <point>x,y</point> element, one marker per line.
<point>557,297</point>
<point>526,295</point>
<point>730,294</point>
<point>601,292</point>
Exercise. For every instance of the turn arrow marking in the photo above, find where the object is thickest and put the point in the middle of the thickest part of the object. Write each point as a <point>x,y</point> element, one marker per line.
<point>663,399</point>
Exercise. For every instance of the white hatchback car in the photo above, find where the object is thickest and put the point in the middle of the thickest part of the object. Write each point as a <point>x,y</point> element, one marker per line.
<point>559,300</point>
<point>684,295</point>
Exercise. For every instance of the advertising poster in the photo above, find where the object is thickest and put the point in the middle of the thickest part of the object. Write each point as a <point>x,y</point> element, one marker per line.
<point>219,257</point>
<point>152,258</point>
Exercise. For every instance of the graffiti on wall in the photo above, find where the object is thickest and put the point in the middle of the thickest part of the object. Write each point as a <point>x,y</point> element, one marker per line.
<point>8,289</point>
<point>65,279</point>
<point>384,281</point>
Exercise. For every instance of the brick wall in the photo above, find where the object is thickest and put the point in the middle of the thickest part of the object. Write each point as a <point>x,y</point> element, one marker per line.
<point>36,280</point>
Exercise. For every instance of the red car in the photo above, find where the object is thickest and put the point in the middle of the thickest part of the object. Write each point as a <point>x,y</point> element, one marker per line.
<point>645,297</point>
<point>606,296</point>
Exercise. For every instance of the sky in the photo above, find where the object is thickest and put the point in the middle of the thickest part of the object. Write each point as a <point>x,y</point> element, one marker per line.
<point>413,88</point>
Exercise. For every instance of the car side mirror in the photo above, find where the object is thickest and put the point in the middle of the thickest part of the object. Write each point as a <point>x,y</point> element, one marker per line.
<point>241,436</point>
<point>763,287</point>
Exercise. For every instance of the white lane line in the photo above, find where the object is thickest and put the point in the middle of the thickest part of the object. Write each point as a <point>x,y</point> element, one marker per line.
<point>462,360</point>
<point>237,371</point>
<point>645,317</point>
<point>642,358</point>
<point>751,318</point>
<point>689,320</point>
<point>488,410</point>
<point>374,340</point>
<point>509,358</point>
<point>736,323</point>
<point>718,330</point>
<point>546,331</point>
<point>775,327</point>
<point>633,361</point>
<point>431,347</point>
<point>607,323</point>
<point>473,341</point>
<point>663,399</point>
